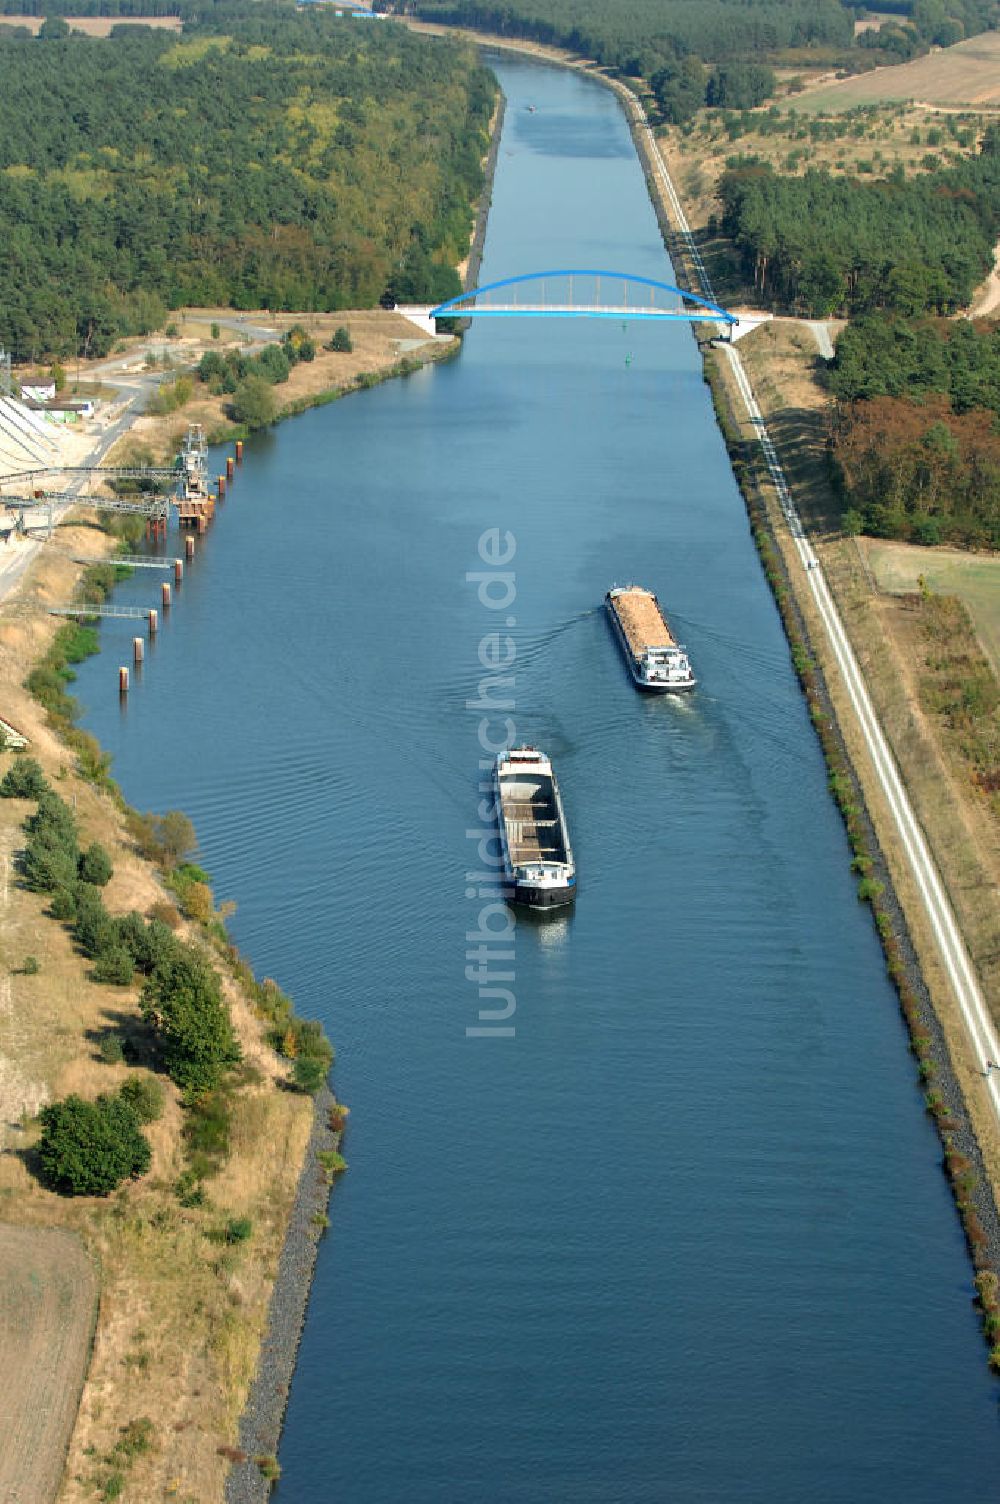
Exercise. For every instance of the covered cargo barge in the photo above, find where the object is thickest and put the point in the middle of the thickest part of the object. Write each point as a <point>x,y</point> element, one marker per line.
<point>658,663</point>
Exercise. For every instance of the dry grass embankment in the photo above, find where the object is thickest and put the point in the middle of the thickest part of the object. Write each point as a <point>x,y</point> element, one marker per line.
<point>181,1312</point>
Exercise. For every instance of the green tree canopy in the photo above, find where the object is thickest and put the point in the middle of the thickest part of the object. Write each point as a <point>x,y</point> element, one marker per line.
<point>89,1148</point>
<point>183,1002</point>
<point>266,158</point>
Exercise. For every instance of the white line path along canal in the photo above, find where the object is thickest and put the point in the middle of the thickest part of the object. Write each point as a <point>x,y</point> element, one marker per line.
<point>951,947</point>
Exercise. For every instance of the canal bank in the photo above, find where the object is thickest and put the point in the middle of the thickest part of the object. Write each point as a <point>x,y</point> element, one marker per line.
<point>941,998</point>
<point>475,1305</point>
<point>182,1306</point>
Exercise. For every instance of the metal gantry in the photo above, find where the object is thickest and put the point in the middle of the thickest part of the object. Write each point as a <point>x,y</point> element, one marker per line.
<point>154,507</point>
<point>107,473</point>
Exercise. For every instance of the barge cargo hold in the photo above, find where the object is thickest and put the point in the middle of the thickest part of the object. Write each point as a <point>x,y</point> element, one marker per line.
<point>658,663</point>
<point>537,857</point>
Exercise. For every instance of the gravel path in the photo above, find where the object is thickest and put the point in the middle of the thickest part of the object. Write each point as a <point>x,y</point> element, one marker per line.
<point>263,1418</point>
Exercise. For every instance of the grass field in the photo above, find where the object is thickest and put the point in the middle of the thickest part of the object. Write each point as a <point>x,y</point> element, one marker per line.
<point>47,1307</point>
<point>974,578</point>
<point>966,74</point>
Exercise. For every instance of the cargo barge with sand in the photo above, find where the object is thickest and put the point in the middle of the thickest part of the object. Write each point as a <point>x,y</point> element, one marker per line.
<point>537,857</point>
<point>658,663</point>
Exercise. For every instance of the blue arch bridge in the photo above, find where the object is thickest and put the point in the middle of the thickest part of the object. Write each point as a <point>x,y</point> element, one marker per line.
<point>582,293</point>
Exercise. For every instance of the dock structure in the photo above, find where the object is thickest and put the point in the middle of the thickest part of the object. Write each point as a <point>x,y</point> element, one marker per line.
<point>133,561</point>
<point>85,611</point>
<point>155,508</point>
<point>195,511</point>
<point>144,488</point>
<point>195,501</point>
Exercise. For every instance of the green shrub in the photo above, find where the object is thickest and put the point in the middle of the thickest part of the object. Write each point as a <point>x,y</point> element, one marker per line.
<point>268,1465</point>
<point>89,1148</point>
<point>93,928</point>
<point>189,1190</point>
<point>30,966</point>
<point>111,1049</point>
<point>145,1096</point>
<point>149,944</point>
<point>53,818</point>
<point>95,866</point>
<point>114,965</point>
<point>238,1230</point>
<point>63,905</point>
<point>135,1439</point>
<point>309,1073</point>
<point>341,341</point>
<point>273,364</point>
<point>207,1131</point>
<point>869,888</point>
<point>183,1002</point>
<point>24,779</point>
<point>48,864</point>
<point>253,403</point>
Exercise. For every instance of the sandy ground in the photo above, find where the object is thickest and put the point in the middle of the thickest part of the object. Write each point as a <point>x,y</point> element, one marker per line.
<point>47,1312</point>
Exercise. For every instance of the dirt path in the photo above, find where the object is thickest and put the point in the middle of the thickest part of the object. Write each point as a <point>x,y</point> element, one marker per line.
<point>48,1299</point>
<point>988,299</point>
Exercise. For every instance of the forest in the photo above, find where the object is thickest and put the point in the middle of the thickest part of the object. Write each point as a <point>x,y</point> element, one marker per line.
<point>669,42</point>
<point>665,42</point>
<point>264,159</point>
<point>885,356</point>
<point>820,245</point>
<point>915,443</point>
<point>919,471</point>
<point>917,25</point>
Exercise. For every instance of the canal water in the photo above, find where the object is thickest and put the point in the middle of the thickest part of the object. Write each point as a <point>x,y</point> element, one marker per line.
<point>684,1235</point>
